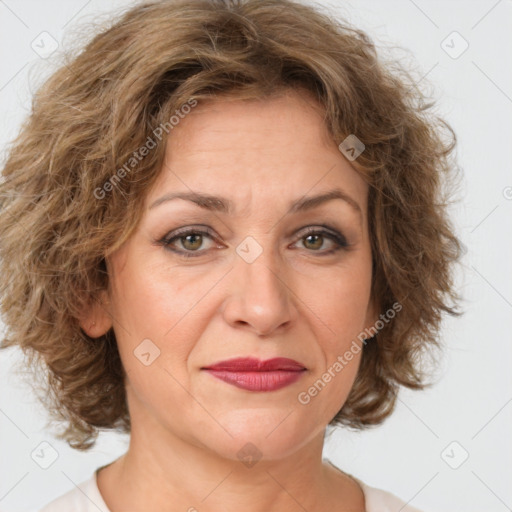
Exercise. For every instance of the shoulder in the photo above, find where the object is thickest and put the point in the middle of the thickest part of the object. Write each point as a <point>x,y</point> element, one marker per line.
<point>378,500</point>
<point>85,497</point>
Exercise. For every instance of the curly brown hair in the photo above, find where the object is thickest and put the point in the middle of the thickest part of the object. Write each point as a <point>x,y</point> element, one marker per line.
<point>103,103</point>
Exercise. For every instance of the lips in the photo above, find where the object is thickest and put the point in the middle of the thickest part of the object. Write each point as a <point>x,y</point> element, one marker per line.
<point>254,375</point>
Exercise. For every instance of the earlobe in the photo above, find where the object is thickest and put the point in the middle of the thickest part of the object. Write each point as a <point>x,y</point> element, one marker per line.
<point>97,320</point>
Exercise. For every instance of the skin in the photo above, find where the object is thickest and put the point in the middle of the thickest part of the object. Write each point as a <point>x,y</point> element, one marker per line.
<point>291,301</point>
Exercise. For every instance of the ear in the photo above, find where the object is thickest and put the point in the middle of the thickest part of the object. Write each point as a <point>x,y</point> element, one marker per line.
<point>97,320</point>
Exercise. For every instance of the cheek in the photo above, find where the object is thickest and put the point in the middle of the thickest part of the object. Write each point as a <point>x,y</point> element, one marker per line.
<point>150,298</point>
<point>339,297</point>
<point>155,332</point>
<point>338,302</point>
<point>160,311</point>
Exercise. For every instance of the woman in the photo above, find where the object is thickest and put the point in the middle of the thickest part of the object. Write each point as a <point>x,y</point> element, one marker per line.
<point>237,238</point>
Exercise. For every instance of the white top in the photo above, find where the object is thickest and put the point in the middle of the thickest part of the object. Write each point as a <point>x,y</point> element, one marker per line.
<point>86,497</point>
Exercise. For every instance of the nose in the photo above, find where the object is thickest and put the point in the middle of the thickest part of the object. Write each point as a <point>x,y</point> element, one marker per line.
<point>260,299</point>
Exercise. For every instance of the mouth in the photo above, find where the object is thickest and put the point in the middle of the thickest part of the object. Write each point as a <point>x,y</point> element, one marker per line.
<point>254,375</point>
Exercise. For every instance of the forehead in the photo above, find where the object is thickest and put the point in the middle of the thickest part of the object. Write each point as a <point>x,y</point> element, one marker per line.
<point>267,148</point>
<point>258,124</point>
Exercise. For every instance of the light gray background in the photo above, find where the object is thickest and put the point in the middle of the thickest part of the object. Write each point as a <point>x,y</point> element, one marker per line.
<point>471,404</point>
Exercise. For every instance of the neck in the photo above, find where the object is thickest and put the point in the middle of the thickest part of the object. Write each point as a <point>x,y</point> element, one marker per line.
<point>167,472</point>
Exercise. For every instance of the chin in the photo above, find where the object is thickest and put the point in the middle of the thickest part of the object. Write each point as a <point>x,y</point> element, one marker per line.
<point>259,435</point>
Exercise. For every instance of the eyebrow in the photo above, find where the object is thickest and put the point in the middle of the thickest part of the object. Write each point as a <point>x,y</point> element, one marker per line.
<point>224,205</point>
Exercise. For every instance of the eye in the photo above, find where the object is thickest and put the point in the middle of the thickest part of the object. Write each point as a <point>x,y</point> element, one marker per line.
<point>189,240</point>
<point>314,239</point>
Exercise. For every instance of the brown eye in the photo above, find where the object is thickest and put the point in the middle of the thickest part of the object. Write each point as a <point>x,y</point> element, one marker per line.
<point>315,238</point>
<point>313,241</point>
<point>191,242</point>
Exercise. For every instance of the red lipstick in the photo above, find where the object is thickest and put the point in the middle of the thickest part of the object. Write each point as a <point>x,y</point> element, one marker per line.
<point>255,375</point>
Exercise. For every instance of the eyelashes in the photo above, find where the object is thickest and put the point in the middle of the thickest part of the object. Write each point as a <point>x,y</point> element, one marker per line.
<point>181,234</point>
<point>195,236</point>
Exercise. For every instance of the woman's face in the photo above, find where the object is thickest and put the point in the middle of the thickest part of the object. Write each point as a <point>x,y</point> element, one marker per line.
<point>238,276</point>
